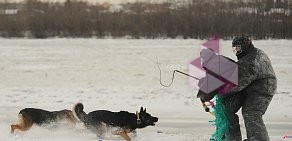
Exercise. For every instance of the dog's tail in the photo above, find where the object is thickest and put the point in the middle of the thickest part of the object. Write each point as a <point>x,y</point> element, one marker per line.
<point>78,112</point>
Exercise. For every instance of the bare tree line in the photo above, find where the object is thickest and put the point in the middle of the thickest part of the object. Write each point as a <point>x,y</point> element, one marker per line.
<point>189,19</point>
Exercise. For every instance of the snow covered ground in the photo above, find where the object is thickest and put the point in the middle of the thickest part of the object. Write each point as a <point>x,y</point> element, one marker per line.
<point>122,74</point>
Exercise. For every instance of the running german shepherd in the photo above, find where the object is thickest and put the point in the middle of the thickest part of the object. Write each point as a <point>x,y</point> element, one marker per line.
<point>118,123</point>
<point>40,117</point>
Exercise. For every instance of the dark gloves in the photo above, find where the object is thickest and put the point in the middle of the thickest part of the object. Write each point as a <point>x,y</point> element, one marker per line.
<point>206,97</point>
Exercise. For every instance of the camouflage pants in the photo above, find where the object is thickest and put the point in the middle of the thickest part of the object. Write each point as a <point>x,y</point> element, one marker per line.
<point>254,106</point>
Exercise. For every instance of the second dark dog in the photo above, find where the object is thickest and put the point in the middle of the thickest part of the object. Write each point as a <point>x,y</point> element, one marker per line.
<point>40,117</point>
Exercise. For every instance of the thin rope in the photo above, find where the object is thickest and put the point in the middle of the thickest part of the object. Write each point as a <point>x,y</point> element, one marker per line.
<point>173,73</point>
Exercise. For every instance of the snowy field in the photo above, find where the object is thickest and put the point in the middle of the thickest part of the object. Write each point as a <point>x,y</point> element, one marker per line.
<point>121,74</point>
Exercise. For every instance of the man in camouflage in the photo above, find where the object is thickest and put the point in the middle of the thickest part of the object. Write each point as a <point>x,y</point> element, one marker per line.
<point>257,84</point>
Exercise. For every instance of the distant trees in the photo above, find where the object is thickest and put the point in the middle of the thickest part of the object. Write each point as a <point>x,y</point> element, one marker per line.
<point>184,19</point>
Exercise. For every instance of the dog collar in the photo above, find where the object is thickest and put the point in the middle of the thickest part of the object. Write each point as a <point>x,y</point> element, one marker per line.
<point>138,118</point>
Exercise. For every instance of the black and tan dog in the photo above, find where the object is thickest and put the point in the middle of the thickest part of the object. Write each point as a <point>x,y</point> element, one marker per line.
<point>118,123</point>
<point>40,117</point>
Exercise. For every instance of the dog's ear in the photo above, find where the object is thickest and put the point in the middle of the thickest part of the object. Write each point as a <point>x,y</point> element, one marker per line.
<point>141,109</point>
<point>144,110</point>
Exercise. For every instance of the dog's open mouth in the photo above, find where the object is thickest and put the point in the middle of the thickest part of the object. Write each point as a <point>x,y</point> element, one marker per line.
<point>154,119</point>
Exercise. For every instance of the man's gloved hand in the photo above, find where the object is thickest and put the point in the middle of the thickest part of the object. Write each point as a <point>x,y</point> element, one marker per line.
<point>206,97</point>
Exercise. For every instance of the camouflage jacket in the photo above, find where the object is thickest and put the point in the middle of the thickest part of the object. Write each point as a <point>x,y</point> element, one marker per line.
<point>255,74</point>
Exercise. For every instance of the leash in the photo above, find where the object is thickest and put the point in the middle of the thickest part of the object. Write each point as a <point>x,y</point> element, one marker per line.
<point>206,108</point>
